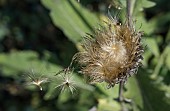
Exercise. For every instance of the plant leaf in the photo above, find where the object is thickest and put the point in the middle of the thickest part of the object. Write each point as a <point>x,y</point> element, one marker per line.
<point>153,96</point>
<point>148,4</point>
<point>160,63</point>
<point>153,46</point>
<point>167,60</point>
<point>134,93</point>
<point>141,4</point>
<point>71,17</point>
<point>17,62</point>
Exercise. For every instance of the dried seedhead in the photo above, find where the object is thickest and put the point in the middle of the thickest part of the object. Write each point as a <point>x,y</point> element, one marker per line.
<point>112,54</point>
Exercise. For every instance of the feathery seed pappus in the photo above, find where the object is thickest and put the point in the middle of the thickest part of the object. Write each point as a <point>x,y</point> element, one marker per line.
<point>112,54</point>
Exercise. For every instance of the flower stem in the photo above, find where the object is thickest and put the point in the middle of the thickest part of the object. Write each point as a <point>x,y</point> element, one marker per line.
<point>129,20</point>
<point>128,11</point>
<point>121,85</point>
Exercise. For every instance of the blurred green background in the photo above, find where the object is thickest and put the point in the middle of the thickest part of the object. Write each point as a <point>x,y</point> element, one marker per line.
<point>44,35</point>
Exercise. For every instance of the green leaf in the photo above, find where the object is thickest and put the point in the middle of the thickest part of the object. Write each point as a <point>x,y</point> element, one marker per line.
<point>148,4</point>
<point>153,46</point>
<point>19,62</point>
<point>141,4</point>
<point>158,23</point>
<point>167,60</point>
<point>3,31</point>
<point>168,36</point>
<point>106,101</point>
<point>134,93</point>
<point>142,90</point>
<point>79,84</point>
<point>153,95</point>
<point>147,54</point>
<point>15,64</point>
<point>160,63</point>
<point>73,19</point>
<point>147,26</point>
<point>108,105</point>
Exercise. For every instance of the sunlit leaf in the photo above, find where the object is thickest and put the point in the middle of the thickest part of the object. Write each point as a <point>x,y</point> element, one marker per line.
<point>108,105</point>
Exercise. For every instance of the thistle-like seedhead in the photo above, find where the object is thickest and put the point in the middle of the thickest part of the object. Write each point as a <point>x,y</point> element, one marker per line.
<point>112,54</point>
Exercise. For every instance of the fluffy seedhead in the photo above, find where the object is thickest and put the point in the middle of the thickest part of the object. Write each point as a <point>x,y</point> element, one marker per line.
<point>32,79</point>
<point>66,81</point>
<point>112,54</point>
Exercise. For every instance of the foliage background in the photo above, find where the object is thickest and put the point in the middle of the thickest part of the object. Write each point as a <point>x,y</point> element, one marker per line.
<point>44,35</point>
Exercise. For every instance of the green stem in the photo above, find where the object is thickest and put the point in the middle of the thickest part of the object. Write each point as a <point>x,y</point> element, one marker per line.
<point>128,11</point>
<point>121,85</point>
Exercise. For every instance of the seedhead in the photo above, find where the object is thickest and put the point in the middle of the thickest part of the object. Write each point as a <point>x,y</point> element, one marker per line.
<point>112,54</point>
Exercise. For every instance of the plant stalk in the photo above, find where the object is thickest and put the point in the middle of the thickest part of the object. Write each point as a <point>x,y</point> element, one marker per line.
<point>128,11</point>
<point>121,85</point>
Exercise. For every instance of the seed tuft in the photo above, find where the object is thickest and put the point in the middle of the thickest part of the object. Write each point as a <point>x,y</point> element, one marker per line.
<point>112,54</point>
